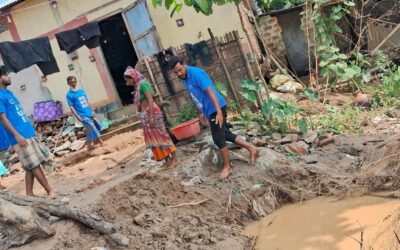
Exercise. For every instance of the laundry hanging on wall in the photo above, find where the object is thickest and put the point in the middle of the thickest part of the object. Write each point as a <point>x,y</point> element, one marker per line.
<point>199,49</point>
<point>71,40</point>
<point>21,55</point>
<point>162,58</point>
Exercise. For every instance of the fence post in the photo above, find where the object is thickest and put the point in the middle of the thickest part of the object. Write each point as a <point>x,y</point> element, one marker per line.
<point>222,60</point>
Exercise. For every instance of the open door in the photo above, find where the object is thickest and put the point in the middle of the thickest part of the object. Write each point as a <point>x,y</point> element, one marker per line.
<point>141,29</point>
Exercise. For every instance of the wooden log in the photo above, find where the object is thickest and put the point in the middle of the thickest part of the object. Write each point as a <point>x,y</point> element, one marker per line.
<point>62,210</point>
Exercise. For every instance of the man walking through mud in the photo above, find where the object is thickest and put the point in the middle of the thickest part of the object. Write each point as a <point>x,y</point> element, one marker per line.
<point>19,133</point>
<point>213,106</point>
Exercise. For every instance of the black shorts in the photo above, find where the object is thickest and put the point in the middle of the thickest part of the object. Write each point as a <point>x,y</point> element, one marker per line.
<point>221,135</point>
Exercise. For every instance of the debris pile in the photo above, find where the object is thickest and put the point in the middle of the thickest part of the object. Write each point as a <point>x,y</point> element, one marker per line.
<point>61,136</point>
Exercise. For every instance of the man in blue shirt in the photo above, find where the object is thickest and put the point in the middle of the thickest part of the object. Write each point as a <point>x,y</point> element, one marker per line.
<point>213,106</point>
<point>17,131</point>
<point>80,107</point>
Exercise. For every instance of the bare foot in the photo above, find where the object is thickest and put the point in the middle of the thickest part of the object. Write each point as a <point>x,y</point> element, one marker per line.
<point>225,173</point>
<point>30,194</point>
<point>51,195</point>
<point>2,187</point>
<point>253,156</point>
<point>90,148</point>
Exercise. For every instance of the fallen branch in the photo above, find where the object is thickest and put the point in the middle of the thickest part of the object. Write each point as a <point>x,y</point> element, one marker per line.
<point>60,209</point>
<point>189,204</point>
<point>397,237</point>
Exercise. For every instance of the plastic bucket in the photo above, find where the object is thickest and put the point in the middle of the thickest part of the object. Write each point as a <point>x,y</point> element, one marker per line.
<point>186,130</point>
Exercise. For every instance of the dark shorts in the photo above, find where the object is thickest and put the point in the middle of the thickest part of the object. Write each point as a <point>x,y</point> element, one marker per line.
<point>221,135</point>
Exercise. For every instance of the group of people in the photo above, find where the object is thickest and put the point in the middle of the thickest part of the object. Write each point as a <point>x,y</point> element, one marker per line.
<point>20,134</point>
<point>208,100</point>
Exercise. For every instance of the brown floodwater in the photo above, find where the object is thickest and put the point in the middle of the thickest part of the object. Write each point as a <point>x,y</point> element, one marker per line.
<point>326,224</point>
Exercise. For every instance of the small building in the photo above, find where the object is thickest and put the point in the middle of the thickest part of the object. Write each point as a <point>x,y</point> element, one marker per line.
<point>130,30</point>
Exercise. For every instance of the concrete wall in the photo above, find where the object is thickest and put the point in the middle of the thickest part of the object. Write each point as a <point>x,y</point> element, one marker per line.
<point>37,18</point>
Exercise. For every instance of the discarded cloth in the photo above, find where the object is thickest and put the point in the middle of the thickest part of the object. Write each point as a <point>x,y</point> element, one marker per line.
<point>71,40</point>
<point>162,61</point>
<point>21,55</point>
<point>201,49</point>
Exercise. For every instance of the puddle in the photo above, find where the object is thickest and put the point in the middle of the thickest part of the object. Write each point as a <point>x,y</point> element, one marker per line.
<point>324,224</point>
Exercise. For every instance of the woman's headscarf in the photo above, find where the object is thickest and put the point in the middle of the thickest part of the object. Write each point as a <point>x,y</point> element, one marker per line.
<point>138,78</point>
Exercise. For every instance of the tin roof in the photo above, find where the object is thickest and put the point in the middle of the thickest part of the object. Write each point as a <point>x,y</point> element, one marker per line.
<point>4,4</point>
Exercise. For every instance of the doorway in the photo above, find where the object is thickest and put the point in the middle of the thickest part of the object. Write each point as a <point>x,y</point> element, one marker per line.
<point>119,53</point>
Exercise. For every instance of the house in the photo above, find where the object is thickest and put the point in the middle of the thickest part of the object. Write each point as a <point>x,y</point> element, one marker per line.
<point>130,30</point>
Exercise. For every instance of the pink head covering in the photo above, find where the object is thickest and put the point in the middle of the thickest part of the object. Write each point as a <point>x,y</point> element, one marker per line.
<point>138,78</point>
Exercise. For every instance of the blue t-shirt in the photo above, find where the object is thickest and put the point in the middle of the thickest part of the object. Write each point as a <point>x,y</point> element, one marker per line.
<point>79,101</point>
<point>10,106</point>
<point>196,83</point>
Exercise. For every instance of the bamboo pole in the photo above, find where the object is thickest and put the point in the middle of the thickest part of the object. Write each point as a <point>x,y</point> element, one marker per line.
<point>152,78</point>
<point>228,76</point>
<point>247,65</point>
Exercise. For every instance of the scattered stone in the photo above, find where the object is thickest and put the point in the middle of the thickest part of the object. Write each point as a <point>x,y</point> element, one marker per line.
<point>287,139</point>
<point>310,159</point>
<point>195,180</point>
<point>310,137</point>
<point>77,145</point>
<point>296,148</point>
<point>140,219</point>
<point>276,136</point>
<point>109,168</point>
<point>81,168</point>
<point>122,166</point>
<point>61,153</point>
<point>65,199</point>
<point>64,146</point>
<point>260,142</point>
<point>330,139</point>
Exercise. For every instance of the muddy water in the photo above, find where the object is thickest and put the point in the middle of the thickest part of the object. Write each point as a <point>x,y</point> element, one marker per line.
<point>322,224</point>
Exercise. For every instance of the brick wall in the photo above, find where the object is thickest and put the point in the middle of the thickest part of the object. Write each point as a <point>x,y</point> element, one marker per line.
<point>249,29</point>
<point>271,33</point>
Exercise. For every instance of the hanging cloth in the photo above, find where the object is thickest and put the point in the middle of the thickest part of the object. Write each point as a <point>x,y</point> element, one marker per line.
<point>86,35</point>
<point>21,55</point>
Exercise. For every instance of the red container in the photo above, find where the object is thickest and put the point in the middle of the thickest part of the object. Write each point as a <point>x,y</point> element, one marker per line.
<point>186,130</point>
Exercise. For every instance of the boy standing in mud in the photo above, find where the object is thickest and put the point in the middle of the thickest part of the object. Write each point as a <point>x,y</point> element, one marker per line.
<point>213,107</point>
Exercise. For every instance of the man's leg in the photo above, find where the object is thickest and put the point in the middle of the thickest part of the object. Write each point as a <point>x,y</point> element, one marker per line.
<point>39,175</point>
<point>29,179</point>
<point>89,145</point>
<point>219,137</point>
<point>227,170</point>
<point>252,149</point>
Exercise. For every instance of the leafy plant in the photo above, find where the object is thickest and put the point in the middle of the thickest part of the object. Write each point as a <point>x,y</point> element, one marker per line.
<point>269,5</point>
<point>221,87</point>
<point>200,6</point>
<point>186,113</point>
<point>250,89</point>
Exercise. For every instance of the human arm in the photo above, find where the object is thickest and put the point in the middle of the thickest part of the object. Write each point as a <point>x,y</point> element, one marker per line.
<point>7,124</point>
<point>75,113</point>
<point>150,101</point>
<point>220,117</point>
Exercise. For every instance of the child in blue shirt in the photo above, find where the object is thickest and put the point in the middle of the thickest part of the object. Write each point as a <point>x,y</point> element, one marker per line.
<point>80,107</point>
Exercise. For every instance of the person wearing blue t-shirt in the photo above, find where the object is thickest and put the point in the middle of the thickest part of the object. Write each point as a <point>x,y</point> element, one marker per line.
<point>17,131</point>
<point>213,106</point>
<point>80,107</point>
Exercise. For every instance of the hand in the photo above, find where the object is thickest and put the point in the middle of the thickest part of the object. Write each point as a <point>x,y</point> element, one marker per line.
<point>94,115</point>
<point>203,119</point>
<point>21,141</point>
<point>219,119</point>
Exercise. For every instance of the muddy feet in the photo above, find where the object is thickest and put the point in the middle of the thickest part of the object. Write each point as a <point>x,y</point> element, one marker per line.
<point>226,172</point>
